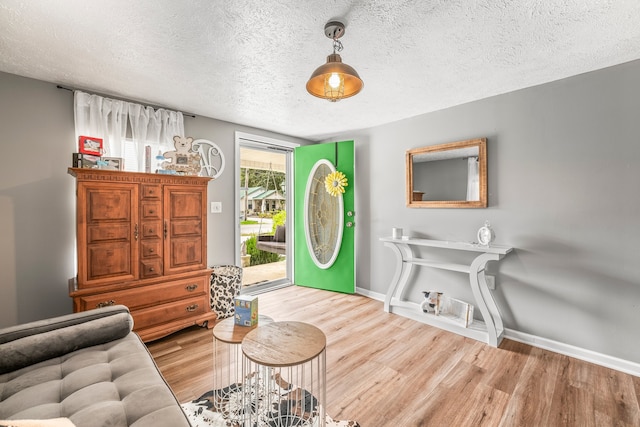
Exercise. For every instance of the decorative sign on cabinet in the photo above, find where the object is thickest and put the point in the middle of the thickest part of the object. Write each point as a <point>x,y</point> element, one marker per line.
<point>141,242</point>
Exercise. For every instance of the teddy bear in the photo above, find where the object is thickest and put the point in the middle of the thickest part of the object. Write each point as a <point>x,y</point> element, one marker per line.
<point>182,159</point>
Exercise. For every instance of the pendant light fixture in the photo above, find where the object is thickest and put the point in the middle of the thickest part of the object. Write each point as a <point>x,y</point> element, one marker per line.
<point>334,80</point>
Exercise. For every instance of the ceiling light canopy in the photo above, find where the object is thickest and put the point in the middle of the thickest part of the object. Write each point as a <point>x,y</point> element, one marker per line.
<point>334,80</point>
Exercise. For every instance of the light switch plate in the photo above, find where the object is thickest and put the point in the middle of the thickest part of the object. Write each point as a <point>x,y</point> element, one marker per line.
<point>216,207</point>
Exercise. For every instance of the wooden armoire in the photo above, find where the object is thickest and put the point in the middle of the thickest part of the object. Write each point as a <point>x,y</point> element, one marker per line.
<point>142,242</point>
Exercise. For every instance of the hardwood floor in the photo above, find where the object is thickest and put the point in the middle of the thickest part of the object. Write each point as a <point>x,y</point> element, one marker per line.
<point>386,370</point>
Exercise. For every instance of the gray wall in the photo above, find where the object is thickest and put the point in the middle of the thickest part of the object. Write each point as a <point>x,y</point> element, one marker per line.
<point>37,200</point>
<point>563,178</point>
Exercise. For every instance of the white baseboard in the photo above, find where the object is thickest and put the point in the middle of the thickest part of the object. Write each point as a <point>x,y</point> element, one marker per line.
<point>367,293</point>
<point>605,360</point>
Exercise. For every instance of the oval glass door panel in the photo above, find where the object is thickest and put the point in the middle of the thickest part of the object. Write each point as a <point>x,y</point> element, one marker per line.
<point>322,216</point>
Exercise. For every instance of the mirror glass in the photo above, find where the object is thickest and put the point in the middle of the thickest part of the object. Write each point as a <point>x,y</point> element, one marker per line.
<point>452,175</point>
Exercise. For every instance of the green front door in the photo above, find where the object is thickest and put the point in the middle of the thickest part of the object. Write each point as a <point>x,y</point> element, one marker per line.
<point>324,223</point>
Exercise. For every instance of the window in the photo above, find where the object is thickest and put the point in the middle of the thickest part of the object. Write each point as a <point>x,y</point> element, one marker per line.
<point>137,155</point>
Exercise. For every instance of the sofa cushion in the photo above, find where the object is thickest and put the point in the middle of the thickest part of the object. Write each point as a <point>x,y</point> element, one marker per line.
<point>20,331</point>
<point>115,381</point>
<point>43,340</point>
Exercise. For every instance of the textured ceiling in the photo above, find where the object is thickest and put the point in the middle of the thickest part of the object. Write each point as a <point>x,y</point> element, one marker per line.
<point>248,62</point>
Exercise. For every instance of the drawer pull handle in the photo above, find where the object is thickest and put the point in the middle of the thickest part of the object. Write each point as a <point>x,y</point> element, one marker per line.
<point>151,211</point>
<point>151,269</point>
<point>105,303</point>
<point>192,307</point>
<point>151,230</point>
<point>150,251</point>
<point>191,288</point>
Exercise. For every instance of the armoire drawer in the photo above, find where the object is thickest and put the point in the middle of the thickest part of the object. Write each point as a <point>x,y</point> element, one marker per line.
<point>151,191</point>
<point>147,295</point>
<point>168,312</point>
<point>151,210</point>
<point>151,268</point>
<point>152,229</point>
<point>151,248</point>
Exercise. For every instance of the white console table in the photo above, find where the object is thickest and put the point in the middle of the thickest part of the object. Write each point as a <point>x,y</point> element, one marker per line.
<point>491,330</point>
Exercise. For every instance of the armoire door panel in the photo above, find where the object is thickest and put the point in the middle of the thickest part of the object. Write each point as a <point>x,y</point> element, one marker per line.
<point>109,205</point>
<point>185,217</point>
<point>186,228</point>
<point>104,233</point>
<point>107,218</point>
<point>186,252</point>
<point>185,204</point>
<point>108,260</point>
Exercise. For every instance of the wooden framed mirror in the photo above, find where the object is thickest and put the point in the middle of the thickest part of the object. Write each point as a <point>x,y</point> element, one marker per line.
<point>452,175</point>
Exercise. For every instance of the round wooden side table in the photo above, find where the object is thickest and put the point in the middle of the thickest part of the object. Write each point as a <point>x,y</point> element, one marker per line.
<point>228,396</point>
<point>285,374</point>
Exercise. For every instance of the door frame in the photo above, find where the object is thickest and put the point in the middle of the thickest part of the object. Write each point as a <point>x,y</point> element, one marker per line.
<point>261,142</point>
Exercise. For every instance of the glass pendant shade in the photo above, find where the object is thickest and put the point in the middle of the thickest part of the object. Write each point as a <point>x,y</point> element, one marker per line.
<point>334,80</point>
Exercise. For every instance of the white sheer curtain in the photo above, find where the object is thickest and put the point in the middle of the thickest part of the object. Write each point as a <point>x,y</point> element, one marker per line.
<point>101,118</point>
<point>473,179</point>
<point>110,119</point>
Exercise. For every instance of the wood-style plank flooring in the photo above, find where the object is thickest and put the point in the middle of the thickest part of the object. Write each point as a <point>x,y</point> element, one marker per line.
<point>386,370</point>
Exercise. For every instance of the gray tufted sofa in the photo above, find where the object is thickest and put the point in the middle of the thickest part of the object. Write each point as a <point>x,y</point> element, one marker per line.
<point>88,367</point>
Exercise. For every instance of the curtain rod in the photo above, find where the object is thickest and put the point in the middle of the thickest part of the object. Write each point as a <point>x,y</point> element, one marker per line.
<point>155,107</point>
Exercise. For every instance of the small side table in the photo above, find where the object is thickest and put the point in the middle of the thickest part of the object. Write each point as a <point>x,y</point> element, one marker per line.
<point>285,374</point>
<point>227,367</point>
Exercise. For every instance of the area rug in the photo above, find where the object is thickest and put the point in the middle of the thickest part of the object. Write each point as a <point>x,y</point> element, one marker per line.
<point>232,407</point>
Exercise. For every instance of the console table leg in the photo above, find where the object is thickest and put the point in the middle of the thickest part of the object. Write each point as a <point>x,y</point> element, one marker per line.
<point>401,275</point>
<point>484,299</point>
<point>492,306</point>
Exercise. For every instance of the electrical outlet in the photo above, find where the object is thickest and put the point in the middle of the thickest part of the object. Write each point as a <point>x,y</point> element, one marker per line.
<point>491,281</point>
<point>216,207</point>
